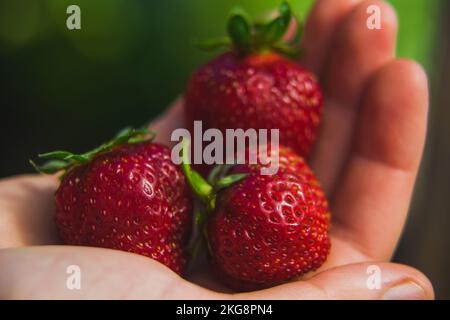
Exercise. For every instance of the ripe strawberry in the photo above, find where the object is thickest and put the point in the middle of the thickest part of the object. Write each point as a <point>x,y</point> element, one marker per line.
<point>263,230</point>
<point>125,195</point>
<point>252,86</point>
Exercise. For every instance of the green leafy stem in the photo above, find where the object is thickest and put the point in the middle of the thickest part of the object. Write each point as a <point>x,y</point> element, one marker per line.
<point>64,160</point>
<point>206,191</point>
<point>246,37</point>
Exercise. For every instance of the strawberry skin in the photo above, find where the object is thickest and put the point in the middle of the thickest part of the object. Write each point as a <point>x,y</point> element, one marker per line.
<point>267,230</point>
<point>260,91</point>
<point>132,198</point>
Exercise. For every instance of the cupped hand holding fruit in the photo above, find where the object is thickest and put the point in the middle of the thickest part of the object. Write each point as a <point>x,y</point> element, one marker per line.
<point>367,159</point>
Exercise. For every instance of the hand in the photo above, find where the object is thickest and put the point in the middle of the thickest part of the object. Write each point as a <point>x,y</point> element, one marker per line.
<point>367,160</point>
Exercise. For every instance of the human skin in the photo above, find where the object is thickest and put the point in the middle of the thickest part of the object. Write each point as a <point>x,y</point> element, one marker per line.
<point>367,159</point>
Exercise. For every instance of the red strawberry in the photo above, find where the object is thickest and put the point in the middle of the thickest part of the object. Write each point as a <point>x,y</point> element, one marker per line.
<point>265,229</point>
<point>125,195</point>
<point>252,86</point>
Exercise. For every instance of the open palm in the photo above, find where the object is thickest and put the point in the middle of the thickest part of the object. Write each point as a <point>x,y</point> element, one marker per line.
<point>367,159</point>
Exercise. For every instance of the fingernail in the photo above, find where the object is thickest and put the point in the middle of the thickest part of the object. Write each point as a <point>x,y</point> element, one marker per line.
<point>405,291</point>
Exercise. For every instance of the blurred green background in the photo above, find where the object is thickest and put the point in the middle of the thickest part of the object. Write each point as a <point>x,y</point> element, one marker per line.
<point>64,89</point>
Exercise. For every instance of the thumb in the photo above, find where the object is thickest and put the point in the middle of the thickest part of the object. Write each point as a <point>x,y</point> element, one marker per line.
<point>362,281</point>
<point>166,123</point>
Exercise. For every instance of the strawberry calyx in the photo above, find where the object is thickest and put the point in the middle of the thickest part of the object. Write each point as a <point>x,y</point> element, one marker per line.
<point>65,160</point>
<point>246,37</point>
<point>206,191</point>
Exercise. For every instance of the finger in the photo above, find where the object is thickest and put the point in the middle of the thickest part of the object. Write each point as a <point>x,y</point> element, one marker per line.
<point>355,54</point>
<point>171,119</point>
<point>27,210</point>
<point>320,29</point>
<point>358,51</point>
<point>41,273</point>
<point>372,200</point>
<point>355,281</point>
<point>291,31</point>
